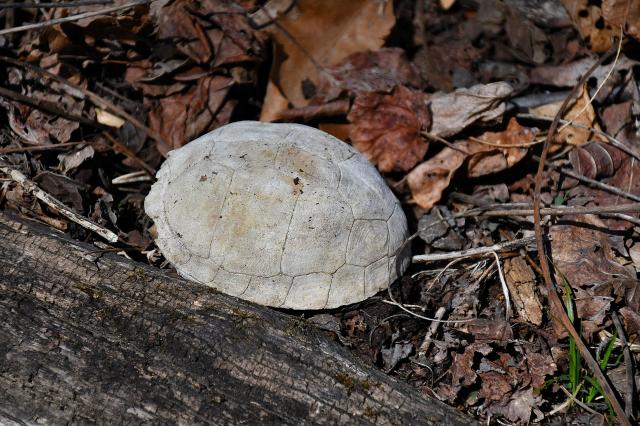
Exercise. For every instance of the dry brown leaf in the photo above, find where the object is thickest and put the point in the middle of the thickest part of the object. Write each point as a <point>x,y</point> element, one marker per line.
<point>73,159</point>
<point>530,43</point>
<point>580,112</point>
<point>428,180</point>
<point>369,71</point>
<point>453,112</point>
<point>518,405</point>
<point>462,368</point>
<point>625,14</point>
<point>442,75</point>
<point>539,366</point>
<point>339,130</point>
<point>587,18</point>
<point>493,330</point>
<point>122,27</point>
<point>185,116</point>
<point>38,127</point>
<point>495,386</point>
<point>522,283</point>
<point>313,35</point>
<point>387,128</point>
<point>583,253</point>
<point>487,159</point>
<point>208,31</point>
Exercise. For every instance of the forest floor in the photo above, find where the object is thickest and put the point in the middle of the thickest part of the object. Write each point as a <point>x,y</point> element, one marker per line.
<point>456,102</point>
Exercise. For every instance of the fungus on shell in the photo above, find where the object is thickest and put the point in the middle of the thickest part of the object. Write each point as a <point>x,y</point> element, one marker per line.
<point>283,215</point>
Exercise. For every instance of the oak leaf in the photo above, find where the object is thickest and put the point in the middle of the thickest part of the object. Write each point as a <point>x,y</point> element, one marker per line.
<point>387,128</point>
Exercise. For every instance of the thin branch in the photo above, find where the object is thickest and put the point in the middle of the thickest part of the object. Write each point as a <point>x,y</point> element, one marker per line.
<point>613,141</point>
<point>311,112</point>
<point>445,142</point>
<point>72,18</point>
<point>593,182</point>
<point>62,4</point>
<point>477,251</point>
<point>56,205</point>
<point>604,80</point>
<point>130,154</point>
<point>580,403</point>
<point>46,106</point>
<point>505,289</point>
<point>508,145</point>
<point>554,211</point>
<point>46,147</point>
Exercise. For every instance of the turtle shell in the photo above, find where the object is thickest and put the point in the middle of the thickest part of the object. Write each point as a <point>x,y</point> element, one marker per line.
<point>283,215</point>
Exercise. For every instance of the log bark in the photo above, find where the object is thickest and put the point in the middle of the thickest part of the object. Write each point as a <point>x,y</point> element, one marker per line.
<point>88,337</point>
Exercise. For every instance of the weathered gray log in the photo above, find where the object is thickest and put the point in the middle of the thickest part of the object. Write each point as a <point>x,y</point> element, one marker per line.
<point>88,337</point>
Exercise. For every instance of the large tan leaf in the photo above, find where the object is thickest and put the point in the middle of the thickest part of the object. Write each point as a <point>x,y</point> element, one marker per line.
<point>315,34</point>
<point>587,18</point>
<point>580,112</point>
<point>625,14</point>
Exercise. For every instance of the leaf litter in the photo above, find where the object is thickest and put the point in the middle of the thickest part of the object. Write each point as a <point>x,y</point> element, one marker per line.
<point>448,99</point>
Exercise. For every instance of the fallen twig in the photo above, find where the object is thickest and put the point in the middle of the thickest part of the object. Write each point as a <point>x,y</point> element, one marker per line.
<point>593,182</point>
<point>613,141</point>
<point>56,205</point>
<point>46,147</point>
<point>72,17</point>
<point>46,106</point>
<point>62,4</point>
<point>477,251</point>
<point>553,211</point>
<point>130,154</point>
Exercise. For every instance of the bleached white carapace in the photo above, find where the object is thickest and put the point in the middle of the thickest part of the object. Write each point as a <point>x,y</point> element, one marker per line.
<point>283,215</point>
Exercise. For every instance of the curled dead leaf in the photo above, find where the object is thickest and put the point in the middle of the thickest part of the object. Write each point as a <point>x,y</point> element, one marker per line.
<point>596,160</point>
<point>428,181</point>
<point>453,112</point>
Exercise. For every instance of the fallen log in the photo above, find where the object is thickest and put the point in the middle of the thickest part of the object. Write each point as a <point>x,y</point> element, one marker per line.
<point>89,337</point>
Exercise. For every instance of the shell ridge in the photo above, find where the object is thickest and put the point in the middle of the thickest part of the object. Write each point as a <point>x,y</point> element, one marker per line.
<point>226,193</point>
<point>286,237</point>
